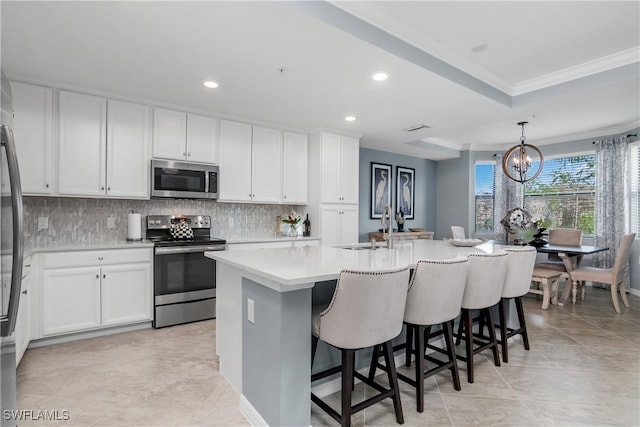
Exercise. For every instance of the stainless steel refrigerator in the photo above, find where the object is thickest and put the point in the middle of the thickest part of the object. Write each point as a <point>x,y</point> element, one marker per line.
<point>11,253</point>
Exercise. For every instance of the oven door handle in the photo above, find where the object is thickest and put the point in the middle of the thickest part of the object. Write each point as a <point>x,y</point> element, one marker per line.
<point>188,249</point>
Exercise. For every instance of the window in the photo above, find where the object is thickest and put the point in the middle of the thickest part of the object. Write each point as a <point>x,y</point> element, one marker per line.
<point>484,192</point>
<point>634,202</point>
<point>565,193</point>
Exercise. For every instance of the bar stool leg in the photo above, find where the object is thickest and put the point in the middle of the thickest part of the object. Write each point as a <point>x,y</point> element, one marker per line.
<point>468,332</point>
<point>387,350</point>
<point>419,353</point>
<point>408,350</point>
<point>374,362</point>
<point>523,324</point>
<point>503,330</point>
<point>492,336</point>
<point>348,359</point>
<point>451,349</point>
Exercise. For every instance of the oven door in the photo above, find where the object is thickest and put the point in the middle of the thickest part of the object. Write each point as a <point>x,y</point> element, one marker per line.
<point>183,273</point>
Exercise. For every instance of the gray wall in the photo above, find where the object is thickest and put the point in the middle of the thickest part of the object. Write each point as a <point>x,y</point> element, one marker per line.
<point>425,196</point>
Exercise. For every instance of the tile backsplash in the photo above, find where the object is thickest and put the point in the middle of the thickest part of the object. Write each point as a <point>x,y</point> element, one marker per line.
<point>77,221</point>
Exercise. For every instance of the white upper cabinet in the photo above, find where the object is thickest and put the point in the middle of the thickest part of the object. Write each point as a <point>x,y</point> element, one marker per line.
<point>128,147</point>
<point>339,169</point>
<point>99,157</point>
<point>235,161</point>
<point>202,139</point>
<point>250,163</point>
<point>295,168</point>
<point>181,136</point>
<point>33,132</point>
<point>82,144</point>
<point>266,165</point>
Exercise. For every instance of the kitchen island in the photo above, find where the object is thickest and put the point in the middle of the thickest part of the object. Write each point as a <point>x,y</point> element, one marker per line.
<point>264,300</point>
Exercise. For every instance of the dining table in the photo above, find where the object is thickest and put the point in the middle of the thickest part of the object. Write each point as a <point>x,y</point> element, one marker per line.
<point>571,257</point>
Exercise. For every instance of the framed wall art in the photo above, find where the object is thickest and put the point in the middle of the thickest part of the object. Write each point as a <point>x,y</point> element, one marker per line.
<point>380,188</point>
<point>405,191</point>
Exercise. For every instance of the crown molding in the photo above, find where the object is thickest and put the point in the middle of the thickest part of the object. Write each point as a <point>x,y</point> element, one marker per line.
<point>585,69</point>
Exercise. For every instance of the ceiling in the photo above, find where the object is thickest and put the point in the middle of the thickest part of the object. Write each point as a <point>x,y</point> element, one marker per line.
<point>468,70</point>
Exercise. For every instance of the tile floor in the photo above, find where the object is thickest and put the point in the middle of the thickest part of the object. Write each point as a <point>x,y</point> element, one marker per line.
<point>583,370</point>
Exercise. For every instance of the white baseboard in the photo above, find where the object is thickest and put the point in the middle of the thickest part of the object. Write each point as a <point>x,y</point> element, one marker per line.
<point>253,416</point>
<point>76,336</point>
<point>635,292</point>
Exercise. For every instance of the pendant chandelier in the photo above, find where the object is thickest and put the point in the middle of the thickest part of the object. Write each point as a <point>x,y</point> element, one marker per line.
<point>517,163</point>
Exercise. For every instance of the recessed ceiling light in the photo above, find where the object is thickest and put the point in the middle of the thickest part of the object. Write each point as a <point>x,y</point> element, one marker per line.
<point>210,84</point>
<point>350,118</point>
<point>480,48</point>
<point>380,76</point>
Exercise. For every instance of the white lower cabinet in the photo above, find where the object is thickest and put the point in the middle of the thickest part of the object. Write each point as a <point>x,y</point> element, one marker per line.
<point>113,287</point>
<point>338,224</point>
<point>23,324</point>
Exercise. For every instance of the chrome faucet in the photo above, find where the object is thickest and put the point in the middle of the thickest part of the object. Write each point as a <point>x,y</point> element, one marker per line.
<point>386,214</point>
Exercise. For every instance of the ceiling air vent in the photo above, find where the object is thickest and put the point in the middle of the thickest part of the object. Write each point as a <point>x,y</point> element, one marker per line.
<point>416,128</point>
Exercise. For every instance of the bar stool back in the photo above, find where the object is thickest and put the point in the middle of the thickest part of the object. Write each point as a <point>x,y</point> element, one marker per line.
<point>520,262</point>
<point>483,290</point>
<point>434,298</point>
<point>366,310</point>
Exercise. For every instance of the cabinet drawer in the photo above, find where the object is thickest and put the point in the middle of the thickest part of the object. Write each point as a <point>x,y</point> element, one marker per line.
<point>96,257</point>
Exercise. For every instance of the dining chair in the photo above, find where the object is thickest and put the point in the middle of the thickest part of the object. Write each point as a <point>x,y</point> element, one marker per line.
<point>565,237</point>
<point>483,290</point>
<point>520,261</point>
<point>613,276</point>
<point>366,310</point>
<point>457,232</point>
<point>434,299</point>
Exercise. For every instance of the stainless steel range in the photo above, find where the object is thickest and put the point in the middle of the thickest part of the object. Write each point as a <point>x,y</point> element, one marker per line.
<point>184,280</point>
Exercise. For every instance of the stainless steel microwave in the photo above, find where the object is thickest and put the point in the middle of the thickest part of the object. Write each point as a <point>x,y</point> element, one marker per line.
<point>183,180</point>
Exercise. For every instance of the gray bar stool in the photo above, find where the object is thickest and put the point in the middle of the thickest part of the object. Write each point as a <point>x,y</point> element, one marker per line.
<point>434,298</point>
<point>483,290</point>
<point>520,262</point>
<point>366,310</point>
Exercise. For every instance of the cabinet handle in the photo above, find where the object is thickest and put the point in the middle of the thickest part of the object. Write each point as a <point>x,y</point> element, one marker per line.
<point>46,185</point>
<point>100,258</point>
<point>97,276</point>
<point>104,276</point>
<point>24,292</point>
<point>108,188</point>
<point>285,197</point>
<point>101,188</point>
<point>184,153</point>
<point>188,154</point>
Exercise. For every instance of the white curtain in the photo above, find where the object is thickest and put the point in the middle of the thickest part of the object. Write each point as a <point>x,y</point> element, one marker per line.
<point>611,200</point>
<point>508,194</point>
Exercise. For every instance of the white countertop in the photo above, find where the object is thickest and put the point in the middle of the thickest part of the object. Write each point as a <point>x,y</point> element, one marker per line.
<point>287,269</point>
<point>271,239</point>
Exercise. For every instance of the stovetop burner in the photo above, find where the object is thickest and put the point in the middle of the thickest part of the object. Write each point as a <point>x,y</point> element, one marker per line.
<point>159,226</point>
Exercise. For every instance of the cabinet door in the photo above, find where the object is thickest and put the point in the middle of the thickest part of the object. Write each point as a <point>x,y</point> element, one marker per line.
<point>350,158</point>
<point>235,161</point>
<point>202,139</point>
<point>330,227</point>
<point>331,168</point>
<point>126,293</point>
<point>349,225</point>
<point>82,144</point>
<point>70,299</point>
<point>295,168</point>
<point>33,132</point>
<point>266,161</point>
<point>23,325</point>
<point>128,142</point>
<point>169,134</point>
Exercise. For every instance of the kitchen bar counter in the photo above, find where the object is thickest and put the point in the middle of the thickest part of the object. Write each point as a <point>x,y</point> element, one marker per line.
<point>264,300</point>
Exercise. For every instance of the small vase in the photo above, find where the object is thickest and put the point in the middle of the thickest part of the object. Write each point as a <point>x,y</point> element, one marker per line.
<point>293,230</point>
<point>538,243</point>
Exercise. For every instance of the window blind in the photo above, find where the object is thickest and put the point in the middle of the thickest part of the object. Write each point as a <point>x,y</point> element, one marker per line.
<point>484,195</point>
<point>634,202</point>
